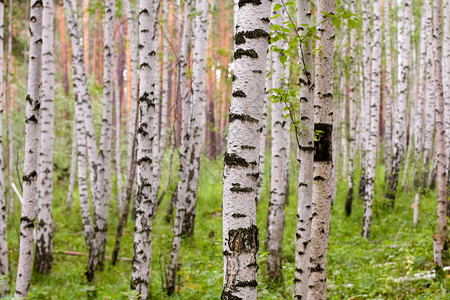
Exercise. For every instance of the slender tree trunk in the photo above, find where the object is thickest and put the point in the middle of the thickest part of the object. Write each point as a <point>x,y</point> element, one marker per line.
<point>398,134</point>
<point>30,167</point>
<point>429,99</point>
<point>182,173</point>
<point>240,233</point>
<point>73,165</point>
<point>323,120</point>
<point>9,108</point>
<point>305,156</point>
<point>352,116</point>
<point>4,268</point>
<point>418,116</point>
<point>118,121</point>
<point>280,149</point>
<point>388,99</point>
<point>440,129</point>
<point>44,239</point>
<point>446,87</point>
<point>197,113</point>
<point>375,99</point>
<point>86,35</point>
<point>145,200</point>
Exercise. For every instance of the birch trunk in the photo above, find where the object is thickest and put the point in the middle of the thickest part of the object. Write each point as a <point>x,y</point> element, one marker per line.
<point>440,128</point>
<point>10,200</point>
<point>388,99</point>
<point>86,34</point>
<point>118,152</point>
<point>375,97</point>
<point>280,148</point>
<point>398,134</point>
<point>305,156</point>
<point>182,173</point>
<point>4,268</point>
<point>73,165</point>
<point>446,81</point>
<point>44,238</point>
<point>365,102</point>
<point>429,99</point>
<point>323,164</point>
<point>418,116</point>
<point>30,169</point>
<point>240,233</point>
<point>198,112</point>
<point>145,200</point>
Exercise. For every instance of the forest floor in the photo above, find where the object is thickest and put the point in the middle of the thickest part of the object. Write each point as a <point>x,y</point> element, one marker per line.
<point>357,268</point>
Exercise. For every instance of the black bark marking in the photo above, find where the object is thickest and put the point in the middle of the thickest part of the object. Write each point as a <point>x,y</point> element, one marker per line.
<point>238,189</point>
<point>232,159</point>
<point>30,177</point>
<point>241,117</point>
<point>248,147</point>
<point>239,93</point>
<point>238,215</point>
<point>254,2</point>
<point>239,53</point>
<point>323,145</point>
<point>244,239</point>
<point>254,34</point>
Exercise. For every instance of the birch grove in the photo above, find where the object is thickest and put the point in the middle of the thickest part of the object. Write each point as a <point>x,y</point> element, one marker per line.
<point>222,108</point>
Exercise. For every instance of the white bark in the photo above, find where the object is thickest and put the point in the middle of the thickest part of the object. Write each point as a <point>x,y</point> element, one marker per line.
<point>429,98</point>
<point>145,200</point>
<point>118,152</point>
<point>388,99</point>
<point>442,171</point>
<point>416,210</point>
<point>279,181</point>
<point>182,173</point>
<point>323,120</point>
<point>446,80</point>
<point>240,233</point>
<point>73,165</point>
<point>305,156</point>
<point>44,239</point>
<point>419,113</point>
<point>30,169</point>
<point>9,111</point>
<point>375,98</point>
<point>398,134</point>
<point>4,268</point>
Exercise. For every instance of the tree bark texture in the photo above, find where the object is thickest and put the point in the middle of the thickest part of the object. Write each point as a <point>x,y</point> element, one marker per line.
<point>240,233</point>
<point>44,239</point>
<point>30,167</point>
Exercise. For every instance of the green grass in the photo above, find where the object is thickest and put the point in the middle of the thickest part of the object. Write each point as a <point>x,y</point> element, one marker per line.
<point>394,249</point>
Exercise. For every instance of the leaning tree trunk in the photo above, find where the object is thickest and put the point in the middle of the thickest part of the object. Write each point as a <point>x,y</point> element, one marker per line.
<point>240,233</point>
<point>30,169</point>
<point>440,129</point>
<point>197,113</point>
<point>375,98</point>
<point>306,155</point>
<point>398,134</point>
<point>280,154</point>
<point>4,269</point>
<point>429,99</point>
<point>323,120</point>
<point>9,110</point>
<point>44,239</point>
<point>73,165</point>
<point>182,173</point>
<point>145,200</point>
<point>352,116</point>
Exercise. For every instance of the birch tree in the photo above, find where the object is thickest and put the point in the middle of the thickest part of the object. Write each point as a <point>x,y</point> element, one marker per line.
<point>375,97</point>
<point>305,156</point>
<point>398,134</point>
<point>446,80</point>
<point>44,240</point>
<point>73,165</point>
<point>440,129</point>
<point>323,120</point>
<point>280,154</point>
<point>9,109</point>
<point>388,99</point>
<point>145,200</point>
<point>240,233</point>
<point>30,167</point>
<point>4,268</point>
